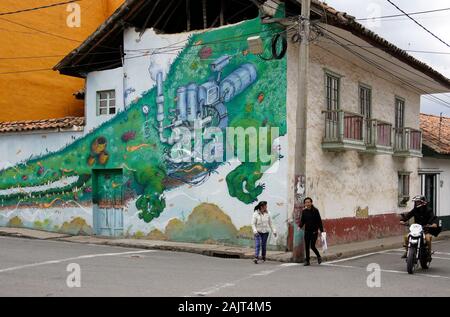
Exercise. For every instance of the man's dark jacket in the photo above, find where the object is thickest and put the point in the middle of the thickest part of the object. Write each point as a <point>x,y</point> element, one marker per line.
<point>423,215</point>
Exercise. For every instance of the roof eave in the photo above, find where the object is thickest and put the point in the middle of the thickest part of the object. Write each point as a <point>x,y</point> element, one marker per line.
<point>113,22</point>
<point>347,22</point>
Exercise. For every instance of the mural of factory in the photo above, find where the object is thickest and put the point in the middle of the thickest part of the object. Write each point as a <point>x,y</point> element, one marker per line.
<point>120,178</point>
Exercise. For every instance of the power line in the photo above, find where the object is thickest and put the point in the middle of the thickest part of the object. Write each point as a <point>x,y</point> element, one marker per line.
<point>413,51</point>
<point>40,31</point>
<point>435,36</point>
<point>383,69</point>
<point>377,55</point>
<point>39,8</point>
<point>421,91</point>
<point>47,69</point>
<point>50,56</point>
<point>174,47</point>
<point>145,52</point>
<point>52,34</point>
<point>401,15</point>
<point>427,95</point>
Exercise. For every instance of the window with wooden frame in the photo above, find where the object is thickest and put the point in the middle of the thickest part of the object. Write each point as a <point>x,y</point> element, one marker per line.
<point>332,89</point>
<point>106,102</point>
<point>403,188</point>
<point>399,113</point>
<point>365,101</point>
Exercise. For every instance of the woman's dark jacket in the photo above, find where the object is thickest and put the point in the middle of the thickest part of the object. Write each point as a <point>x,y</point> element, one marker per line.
<point>311,220</point>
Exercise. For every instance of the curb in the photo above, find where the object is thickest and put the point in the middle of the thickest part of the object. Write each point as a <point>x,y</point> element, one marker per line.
<point>26,236</point>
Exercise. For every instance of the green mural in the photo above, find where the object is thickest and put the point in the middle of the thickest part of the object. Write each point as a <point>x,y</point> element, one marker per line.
<point>240,90</point>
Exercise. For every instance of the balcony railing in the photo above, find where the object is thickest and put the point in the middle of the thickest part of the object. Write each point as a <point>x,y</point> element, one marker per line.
<point>408,142</point>
<point>379,137</point>
<point>344,130</point>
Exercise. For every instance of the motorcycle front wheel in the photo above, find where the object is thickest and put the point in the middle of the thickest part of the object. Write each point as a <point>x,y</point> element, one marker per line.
<point>411,259</point>
<point>424,263</point>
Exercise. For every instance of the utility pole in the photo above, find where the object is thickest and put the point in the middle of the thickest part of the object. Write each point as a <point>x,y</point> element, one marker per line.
<point>300,137</point>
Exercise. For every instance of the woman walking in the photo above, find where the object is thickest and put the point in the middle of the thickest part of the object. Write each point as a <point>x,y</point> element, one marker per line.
<point>313,226</point>
<point>261,225</point>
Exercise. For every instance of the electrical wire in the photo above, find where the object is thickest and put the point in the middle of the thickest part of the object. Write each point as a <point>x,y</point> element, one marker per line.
<point>383,69</point>
<point>40,31</point>
<point>406,50</point>
<point>138,54</point>
<point>39,8</point>
<point>434,35</point>
<point>51,56</point>
<point>377,55</point>
<point>402,15</point>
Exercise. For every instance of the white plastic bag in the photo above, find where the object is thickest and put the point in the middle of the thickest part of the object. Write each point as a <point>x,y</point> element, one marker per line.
<point>323,240</point>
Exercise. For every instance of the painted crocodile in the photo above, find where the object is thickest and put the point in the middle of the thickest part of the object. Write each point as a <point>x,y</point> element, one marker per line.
<point>130,140</point>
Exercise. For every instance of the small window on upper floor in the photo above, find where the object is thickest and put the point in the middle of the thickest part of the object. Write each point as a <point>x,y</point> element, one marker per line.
<point>403,188</point>
<point>106,102</point>
<point>332,90</point>
<point>365,101</point>
<point>399,113</point>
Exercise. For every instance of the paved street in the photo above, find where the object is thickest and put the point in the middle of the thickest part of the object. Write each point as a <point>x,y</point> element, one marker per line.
<point>39,268</point>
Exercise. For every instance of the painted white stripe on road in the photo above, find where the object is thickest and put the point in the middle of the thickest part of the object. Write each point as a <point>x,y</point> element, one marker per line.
<point>289,264</point>
<point>434,257</point>
<point>359,256</point>
<point>218,287</point>
<point>89,256</point>
<point>386,271</point>
<point>442,253</point>
<point>435,252</point>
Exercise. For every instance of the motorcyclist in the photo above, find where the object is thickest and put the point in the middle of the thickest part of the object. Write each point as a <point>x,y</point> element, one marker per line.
<point>424,216</point>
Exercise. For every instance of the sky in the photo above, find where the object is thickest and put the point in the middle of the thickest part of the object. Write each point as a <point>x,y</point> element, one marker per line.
<point>407,35</point>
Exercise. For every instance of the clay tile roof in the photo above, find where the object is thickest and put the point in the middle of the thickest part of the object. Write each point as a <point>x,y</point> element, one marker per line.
<point>30,125</point>
<point>430,126</point>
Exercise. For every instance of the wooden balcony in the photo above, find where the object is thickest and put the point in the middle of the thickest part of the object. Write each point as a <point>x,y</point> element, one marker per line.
<point>344,130</point>
<point>379,137</point>
<point>408,142</point>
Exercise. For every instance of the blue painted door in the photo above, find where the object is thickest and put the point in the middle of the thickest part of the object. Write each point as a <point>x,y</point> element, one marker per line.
<point>108,203</point>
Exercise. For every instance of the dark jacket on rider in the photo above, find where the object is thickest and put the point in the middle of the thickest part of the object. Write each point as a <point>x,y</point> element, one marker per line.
<point>423,215</point>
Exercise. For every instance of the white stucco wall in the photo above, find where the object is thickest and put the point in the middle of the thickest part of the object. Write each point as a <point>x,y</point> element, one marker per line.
<point>148,54</point>
<point>341,182</point>
<point>18,147</point>
<point>97,81</point>
<point>441,166</point>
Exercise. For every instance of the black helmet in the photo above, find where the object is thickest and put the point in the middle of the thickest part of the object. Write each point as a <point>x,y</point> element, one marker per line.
<point>419,198</point>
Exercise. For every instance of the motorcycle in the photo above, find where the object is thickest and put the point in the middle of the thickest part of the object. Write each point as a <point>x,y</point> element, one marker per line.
<point>418,250</point>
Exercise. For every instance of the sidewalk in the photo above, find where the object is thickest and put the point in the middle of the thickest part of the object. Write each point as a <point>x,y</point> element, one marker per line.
<point>333,252</point>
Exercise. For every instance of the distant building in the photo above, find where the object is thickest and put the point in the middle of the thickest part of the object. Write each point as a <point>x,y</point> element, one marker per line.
<point>434,170</point>
<point>32,42</point>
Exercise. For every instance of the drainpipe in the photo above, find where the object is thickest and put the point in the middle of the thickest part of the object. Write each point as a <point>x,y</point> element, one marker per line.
<point>300,137</point>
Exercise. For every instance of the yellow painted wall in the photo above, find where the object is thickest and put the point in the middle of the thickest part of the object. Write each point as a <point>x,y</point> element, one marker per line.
<point>25,94</point>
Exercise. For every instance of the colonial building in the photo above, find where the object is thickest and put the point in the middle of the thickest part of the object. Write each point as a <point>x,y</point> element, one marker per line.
<point>202,69</point>
<point>32,42</point>
<point>434,171</point>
